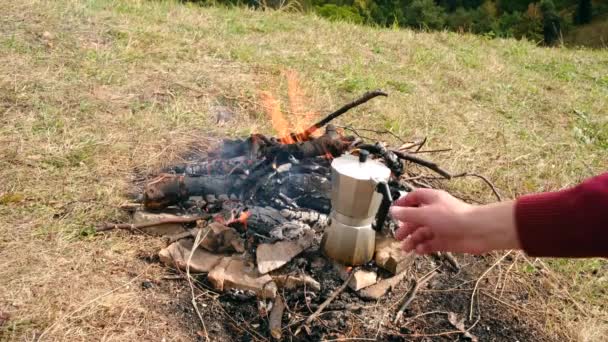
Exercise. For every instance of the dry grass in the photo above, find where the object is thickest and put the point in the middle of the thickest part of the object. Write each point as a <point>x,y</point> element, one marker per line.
<point>91,91</point>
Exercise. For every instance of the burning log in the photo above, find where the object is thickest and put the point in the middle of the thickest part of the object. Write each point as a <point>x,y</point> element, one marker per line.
<point>329,143</point>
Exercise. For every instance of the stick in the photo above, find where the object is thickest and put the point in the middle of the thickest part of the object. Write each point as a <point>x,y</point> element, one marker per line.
<point>411,294</point>
<point>132,226</point>
<point>276,316</point>
<point>449,257</point>
<point>366,97</point>
<point>327,301</point>
<point>479,279</point>
<point>197,242</point>
<point>428,164</point>
<point>487,181</point>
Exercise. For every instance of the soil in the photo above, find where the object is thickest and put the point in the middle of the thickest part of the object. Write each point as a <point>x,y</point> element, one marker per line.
<point>238,316</point>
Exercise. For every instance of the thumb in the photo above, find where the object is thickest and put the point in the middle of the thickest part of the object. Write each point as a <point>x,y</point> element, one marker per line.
<point>415,215</point>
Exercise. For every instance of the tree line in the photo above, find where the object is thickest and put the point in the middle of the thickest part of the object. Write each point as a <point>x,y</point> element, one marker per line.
<point>542,21</point>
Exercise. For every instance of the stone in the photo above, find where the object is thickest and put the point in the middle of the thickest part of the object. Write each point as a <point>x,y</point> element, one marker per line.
<point>176,255</point>
<point>288,281</point>
<point>390,256</point>
<point>221,239</point>
<point>382,287</point>
<point>233,273</point>
<point>271,256</point>
<point>160,230</point>
<point>360,280</point>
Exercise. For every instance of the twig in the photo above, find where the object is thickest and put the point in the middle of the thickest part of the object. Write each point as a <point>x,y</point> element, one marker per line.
<point>197,242</point>
<point>433,151</point>
<point>479,280</point>
<point>449,257</point>
<point>303,136</point>
<point>486,180</point>
<point>136,226</point>
<point>384,131</point>
<point>327,301</point>
<point>423,162</point>
<point>176,237</point>
<point>411,294</point>
<point>421,144</point>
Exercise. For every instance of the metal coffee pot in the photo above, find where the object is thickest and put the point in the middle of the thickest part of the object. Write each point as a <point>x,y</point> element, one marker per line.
<point>359,196</point>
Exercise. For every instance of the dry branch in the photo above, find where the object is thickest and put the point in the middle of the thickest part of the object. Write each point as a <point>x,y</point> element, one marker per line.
<point>411,294</point>
<point>423,162</point>
<point>303,136</point>
<point>327,301</point>
<point>132,226</point>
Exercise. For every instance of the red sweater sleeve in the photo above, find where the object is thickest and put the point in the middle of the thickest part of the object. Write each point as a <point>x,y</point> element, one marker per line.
<point>567,223</point>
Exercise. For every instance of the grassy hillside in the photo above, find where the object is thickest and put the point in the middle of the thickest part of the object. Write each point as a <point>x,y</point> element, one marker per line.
<point>92,90</point>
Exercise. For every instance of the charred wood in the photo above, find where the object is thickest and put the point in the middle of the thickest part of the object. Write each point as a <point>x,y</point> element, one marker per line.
<point>390,158</point>
<point>168,189</point>
<point>330,143</point>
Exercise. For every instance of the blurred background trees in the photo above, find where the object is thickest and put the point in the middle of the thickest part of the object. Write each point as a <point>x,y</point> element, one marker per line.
<point>543,21</point>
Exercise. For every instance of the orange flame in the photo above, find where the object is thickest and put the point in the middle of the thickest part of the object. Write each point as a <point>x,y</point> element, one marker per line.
<point>243,218</point>
<point>289,133</point>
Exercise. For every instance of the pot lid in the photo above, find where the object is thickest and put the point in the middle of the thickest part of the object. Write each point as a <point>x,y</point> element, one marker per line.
<point>351,166</point>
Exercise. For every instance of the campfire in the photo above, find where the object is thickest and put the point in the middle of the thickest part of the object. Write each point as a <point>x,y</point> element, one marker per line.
<point>248,221</point>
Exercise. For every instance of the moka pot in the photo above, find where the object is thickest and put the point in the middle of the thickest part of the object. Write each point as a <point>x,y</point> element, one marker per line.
<point>358,190</point>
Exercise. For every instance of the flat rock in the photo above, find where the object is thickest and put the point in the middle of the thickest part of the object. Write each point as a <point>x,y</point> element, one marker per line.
<point>176,255</point>
<point>160,230</point>
<point>382,287</point>
<point>271,256</point>
<point>390,256</point>
<point>360,280</point>
<point>233,273</point>
<point>221,239</point>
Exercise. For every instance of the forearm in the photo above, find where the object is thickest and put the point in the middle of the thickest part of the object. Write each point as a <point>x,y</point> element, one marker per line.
<point>493,226</point>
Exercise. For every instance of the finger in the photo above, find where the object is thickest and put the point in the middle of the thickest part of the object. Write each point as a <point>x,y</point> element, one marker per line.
<point>407,245</point>
<point>421,235</point>
<point>409,214</point>
<point>405,229</point>
<point>416,198</point>
<point>424,248</point>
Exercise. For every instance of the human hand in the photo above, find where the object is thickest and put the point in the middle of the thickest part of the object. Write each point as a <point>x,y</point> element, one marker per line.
<point>433,221</point>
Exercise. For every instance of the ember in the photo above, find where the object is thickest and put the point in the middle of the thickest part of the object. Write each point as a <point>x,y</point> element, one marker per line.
<point>260,202</point>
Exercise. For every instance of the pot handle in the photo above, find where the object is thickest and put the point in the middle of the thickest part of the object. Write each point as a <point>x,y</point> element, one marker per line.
<point>387,200</point>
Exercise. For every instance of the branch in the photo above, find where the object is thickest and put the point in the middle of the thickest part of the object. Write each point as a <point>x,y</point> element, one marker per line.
<point>132,226</point>
<point>487,181</point>
<point>411,294</point>
<point>428,164</point>
<point>327,301</point>
<point>481,277</point>
<point>366,97</point>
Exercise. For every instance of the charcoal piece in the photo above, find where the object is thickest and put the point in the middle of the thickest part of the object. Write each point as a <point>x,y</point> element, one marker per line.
<point>263,219</point>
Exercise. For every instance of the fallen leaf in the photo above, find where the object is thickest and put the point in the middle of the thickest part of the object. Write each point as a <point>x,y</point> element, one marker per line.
<point>458,323</point>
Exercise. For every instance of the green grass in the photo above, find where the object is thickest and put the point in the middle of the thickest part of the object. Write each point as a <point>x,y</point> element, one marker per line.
<point>122,85</point>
